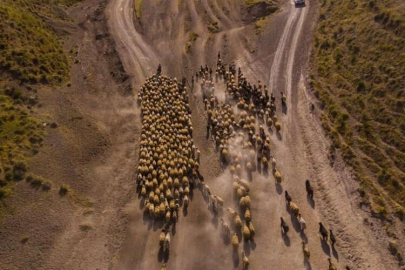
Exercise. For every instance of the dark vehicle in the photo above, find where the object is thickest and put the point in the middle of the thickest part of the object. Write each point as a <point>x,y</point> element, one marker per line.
<point>299,3</point>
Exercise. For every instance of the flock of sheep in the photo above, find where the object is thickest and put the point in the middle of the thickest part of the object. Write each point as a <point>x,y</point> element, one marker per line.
<point>169,160</point>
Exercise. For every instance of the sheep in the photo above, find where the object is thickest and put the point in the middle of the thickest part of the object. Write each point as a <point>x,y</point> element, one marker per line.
<point>237,221</point>
<point>244,184</point>
<point>163,267</point>
<point>278,177</point>
<point>323,232</point>
<point>225,229</point>
<point>166,244</point>
<point>332,238</point>
<point>302,222</point>
<point>219,200</point>
<point>143,191</point>
<point>288,198</point>
<point>245,261</point>
<point>284,226</point>
<point>246,233</point>
<point>252,230</point>
<point>175,217</point>
<point>235,241</point>
<point>152,210</point>
<point>310,190</point>
<point>186,201</point>
<point>277,125</point>
<point>331,265</point>
<point>294,209</point>
<point>273,163</point>
<point>232,212</point>
<point>162,238</point>
<point>248,217</point>
<point>235,186</point>
<point>207,190</point>
<point>247,201</point>
<point>242,202</point>
<point>168,216</point>
<point>240,192</point>
<point>305,250</point>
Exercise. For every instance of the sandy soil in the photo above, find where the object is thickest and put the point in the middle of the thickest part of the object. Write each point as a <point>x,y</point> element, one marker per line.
<point>95,150</point>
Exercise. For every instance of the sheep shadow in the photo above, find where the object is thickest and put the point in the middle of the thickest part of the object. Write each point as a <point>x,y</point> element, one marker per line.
<point>270,131</point>
<point>235,257</point>
<point>266,171</point>
<point>279,189</point>
<point>158,224</point>
<point>311,201</point>
<point>284,109</point>
<point>286,239</point>
<point>174,229</point>
<point>253,244</point>
<point>279,136</point>
<point>295,223</point>
<point>226,239</point>
<point>163,257</point>
<point>142,203</point>
<point>246,247</point>
<point>307,264</point>
<point>258,167</point>
<point>325,247</point>
<point>214,221</point>
<point>147,220</point>
<point>304,237</point>
<point>250,176</point>
<point>185,211</point>
<point>335,253</point>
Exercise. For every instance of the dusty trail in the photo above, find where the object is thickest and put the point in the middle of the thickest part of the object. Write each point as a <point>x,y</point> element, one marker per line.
<point>141,57</point>
<point>301,149</point>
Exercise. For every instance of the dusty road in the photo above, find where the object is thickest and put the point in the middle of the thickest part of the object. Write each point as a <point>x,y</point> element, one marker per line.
<point>301,150</point>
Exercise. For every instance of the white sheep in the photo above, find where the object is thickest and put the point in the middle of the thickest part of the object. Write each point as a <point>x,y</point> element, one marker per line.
<point>245,261</point>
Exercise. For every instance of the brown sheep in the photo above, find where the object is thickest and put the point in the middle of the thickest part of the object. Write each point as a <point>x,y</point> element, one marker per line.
<point>245,261</point>
<point>305,250</point>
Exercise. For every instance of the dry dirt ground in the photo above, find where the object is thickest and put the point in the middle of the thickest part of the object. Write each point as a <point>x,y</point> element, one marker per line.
<point>100,225</point>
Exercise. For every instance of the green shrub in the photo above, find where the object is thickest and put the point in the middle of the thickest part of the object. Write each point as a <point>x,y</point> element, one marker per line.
<point>64,189</point>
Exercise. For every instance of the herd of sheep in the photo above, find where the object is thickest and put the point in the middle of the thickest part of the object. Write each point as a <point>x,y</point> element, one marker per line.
<point>239,117</point>
<point>169,161</point>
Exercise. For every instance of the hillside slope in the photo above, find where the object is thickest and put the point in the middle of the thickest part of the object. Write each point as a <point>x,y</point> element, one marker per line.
<point>359,77</point>
<point>31,56</point>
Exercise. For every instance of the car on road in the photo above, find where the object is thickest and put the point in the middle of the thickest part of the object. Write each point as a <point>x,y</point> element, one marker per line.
<point>299,3</point>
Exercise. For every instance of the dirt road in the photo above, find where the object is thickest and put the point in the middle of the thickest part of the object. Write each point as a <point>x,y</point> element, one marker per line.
<point>280,59</point>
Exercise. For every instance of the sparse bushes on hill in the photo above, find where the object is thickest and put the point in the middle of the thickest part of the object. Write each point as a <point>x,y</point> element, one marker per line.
<point>359,79</point>
<point>30,50</point>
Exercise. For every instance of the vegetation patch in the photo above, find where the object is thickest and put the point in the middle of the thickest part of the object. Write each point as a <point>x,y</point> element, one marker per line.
<point>261,24</point>
<point>359,78</point>
<point>192,38</point>
<point>31,54</point>
<point>39,182</point>
<point>29,49</point>
<point>213,28</point>
<point>138,8</point>
<point>20,137</point>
